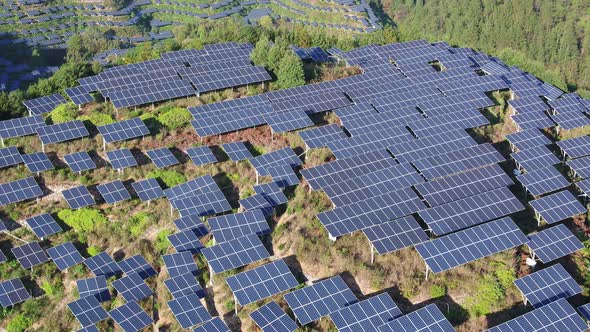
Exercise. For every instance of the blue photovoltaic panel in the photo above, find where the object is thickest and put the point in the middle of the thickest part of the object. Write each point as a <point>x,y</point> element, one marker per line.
<point>188,310</point>
<point>78,197</point>
<point>79,95</point>
<point>372,140</point>
<point>395,234</point>
<point>148,189</point>
<point>232,226</point>
<point>62,132</point>
<point>284,156</point>
<point>471,211</point>
<point>261,282</point>
<point>162,157</point>
<point>184,284</point>
<point>430,146</point>
<point>12,292</point>
<point>132,288</point>
<point>44,104</point>
<point>427,319</point>
<point>283,175</point>
<point>29,255</point>
<point>281,122</point>
<point>236,151</point>
<point>321,136</point>
<point>113,192</point>
<point>43,225</point>
<point>65,255</point>
<point>91,328</point>
<point>585,311</point>
<point>192,187</point>
<point>96,287</point>
<point>205,204</point>
<point>137,264</point>
<point>526,139</point>
<point>19,190</point>
<point>557,207</point>
<point>21,126</point>
<point>271,318</point>
<point>180,263</point>
<point>192,222</point>
<point>123,130</point>
<point>575,147</point>
<point>37,162</point>
<point>80,161</point>
<point>10,156</point>
<point>102,265</point>
<point>201,155</point>
<point>547,285</point>
<point>533,120</point>
<point>256,202</point>
<point>235,253</point>
<point>271,192</point>
<point>186,240</point>
<point>471,244</point>
<point>535,158</point>
<point>88,311</point>
<point>553,243</point>
<point>580,166</point>
<point>130,317</point>
<point>320,299</point>
<point>543,181</point>
<point>570,120</point>
<point>214,325</point>
<point>555,316</point>
<point>366,315</point>
<point>121,159</point>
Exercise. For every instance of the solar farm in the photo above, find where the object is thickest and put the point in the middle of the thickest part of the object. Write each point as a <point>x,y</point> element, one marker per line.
<point>396,199</point>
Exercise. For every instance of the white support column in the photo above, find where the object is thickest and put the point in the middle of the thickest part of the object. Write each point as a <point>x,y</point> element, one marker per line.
<point>427,269</point>
<point>372,254</point>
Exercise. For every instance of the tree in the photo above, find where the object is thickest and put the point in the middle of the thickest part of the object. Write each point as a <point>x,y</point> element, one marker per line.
<point>290,73</point>
<point>259,54</point>
<point>276,54</point>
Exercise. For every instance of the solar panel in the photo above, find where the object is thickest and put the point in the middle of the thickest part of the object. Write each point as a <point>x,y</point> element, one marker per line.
<point>44,104</point>
<point>162,157</point>
<point>113,192</point>
<point>580,167</point>
<point>547,285</point>
<point>80,161</point>
<point>79,95</point>
<point>585,311</point>
<point>214,325</point>
<point>123,130</point>
<point>371,140</point>
<point>256,202</point>
<point>206,82</point>
<point>184,284</point>
<point>130,317</point>
<point>205,204</point>
<point>180,263</point>
<point>320,299</point>
<point>19,190</point>
<point>320,136</point>
<point>37,162</point>
<point>78,197</point>
<point>186,240</point>
<point>526,139</point>
<point>235,253</point>
<point>557,207</point>
<point>192,187</point>
<point>430,146</point>
<point>271,192</point>
<point>191,222</point>
<point>201,155</point>
<point>395,234</point>
<point>12,291</point>
<point>535,158</point>
<point>284,156</point>
<point>189,311</point>
<point>102,265</point>
<point>232,226</point>
<point>121,159</point>
<point>283,176</point>
<point>132,288</point>
<point>556,316</point>
<point>65,255</point>
<point>281,122</point>
<point>30,255</point>
<point>137,264</point>
<point>148,189</point>
<point>465,246</point>
<point>426,319</point>
<point>570,120</point>
<point>533,120</point>
<point>271,318</point>
<point>553,243</point>
<point>366,315</point>
<point>261,282</point>
<point>88,311</point>
<point>10,156</point>
<point>43,225</point>
<point>96,287</point>
<point>236,151</point>
<point>91,328</point>
<point>575,147</point>
<point>61,132</point>
<point>543,181</point>
<point>20,126</point>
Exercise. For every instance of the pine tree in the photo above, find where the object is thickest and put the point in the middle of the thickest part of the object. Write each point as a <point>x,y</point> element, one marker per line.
<point>290,72</point>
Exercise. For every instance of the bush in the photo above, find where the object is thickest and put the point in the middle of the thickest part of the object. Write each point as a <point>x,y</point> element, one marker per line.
<point>64,113</point>
<point>19,323</point>
<point>138,223</point>
<point>94,250</point>
<point>82,220</point>
<point>98,119</point>
<point>162,242</point>
<point>438,291</point>
<point>169,178</point>
<point>175,118</point>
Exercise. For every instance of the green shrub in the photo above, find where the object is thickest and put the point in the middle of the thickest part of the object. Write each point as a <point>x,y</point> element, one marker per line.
<point>98,119</point>
<point>162,242</point>
<point>94,250</point>
<point>83,220</point>
<point>19,323</point>
<point>438,291</point>
<point>138,224</point>
<point>169,178</point>
<point>64,113</point>
<point>175,118</point>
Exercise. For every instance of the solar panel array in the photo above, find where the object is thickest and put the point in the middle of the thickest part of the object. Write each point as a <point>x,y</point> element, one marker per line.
<point>88,311</point>
<point>184,284</point>
<point>121,159</point>
<point>281,122</point>
<point>235,253</point>
<point>123,130</point>
<point>180,263</point>
<point>320,136</point>
<point>547,285</point>
<point>19,190</point>
<point>284,156</point>
<point>396,234</point>
<point>95,287</point>
<point>80,161</point>
<point>283,175</point>
<point>78,197</point>
<point>543,181</point>
<point>102,265</point>
<point>214,325</point>
<point>132,287</point>
<point>201,155</point>
<point>137,264</point>
<point>535,158</point>
<point>30,255</point>
<point>580,167</point>
<point>113,192</point>
<point>12,291</point>
<point>148,189</point>
<point>553,243</point>
<point>271,318</point>
<point>271,193</point>
<point>130,317</point>
<point>526,139</point>
<point>426,319</point>
<point>366,315</point>
<point>43,225</point>
<point>65,255</point>
<point>575,147</point>
<point>44,104</point>
<point>21,126</point>
<point>232,226</point>
<point>37,162</point>
<point>10,156</point>
<point>162,157</point>
<point>557,207</point>
<point>236,151</point>
<point>61,132</point>
<point>188,310</point>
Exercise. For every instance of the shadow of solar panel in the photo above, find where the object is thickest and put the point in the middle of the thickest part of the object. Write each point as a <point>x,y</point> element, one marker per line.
<point>558,206</point>
<point>214,325</point>
<point>10,156</point>
<point>43,225</point>
<point>320,136</point>
<point>192,222</point>
<point>189,311</point>
<point>37,162</point>
<point>204,204</point>
<point>271,318</point>
<point>366,315</point>
<point>20,126</point>
<point>526,139</point>
<point>580,166</point>
<point>427,319</point>
<point>320,299</point>
<point>236,151</point>
<point>62,132</point>
<point>555,316</point>
<point>44,104</point>
<point>431,146</point>
<point>103,265</point>
<point>284,156</point>
<point>130,317</point>
<point>12,291</point>
<point>470,244</point>
<point>123,130</point>
<point>192,187</point>
<point>553,243</point>
<point>137,264</point>
<point>255,202</point>
<point>88,311</point>
<point>65,255</point>
<point>113,192</point>
<point>283,175</point>
<point>235,253</point>
<point>132,288</point>
<point>281,122</point>
<point>80,161</point>
<point>79,95</point>
<point>95,287</point>
<point>271,192</point>
<point>547,285</point>
<point>184,284</point>
<point>186,241</point>
<point>30,255</point>
<point>180,263</point>
<point>575,147</point>
<point>148,189</point>
<point>261,282</point>
<point>395,234</point>
<point>543,181</point>
<point>236,225</point>
<point>162,157</point>
<point>201,155</point>
<point>121,159</point>
<point>78,197</point>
